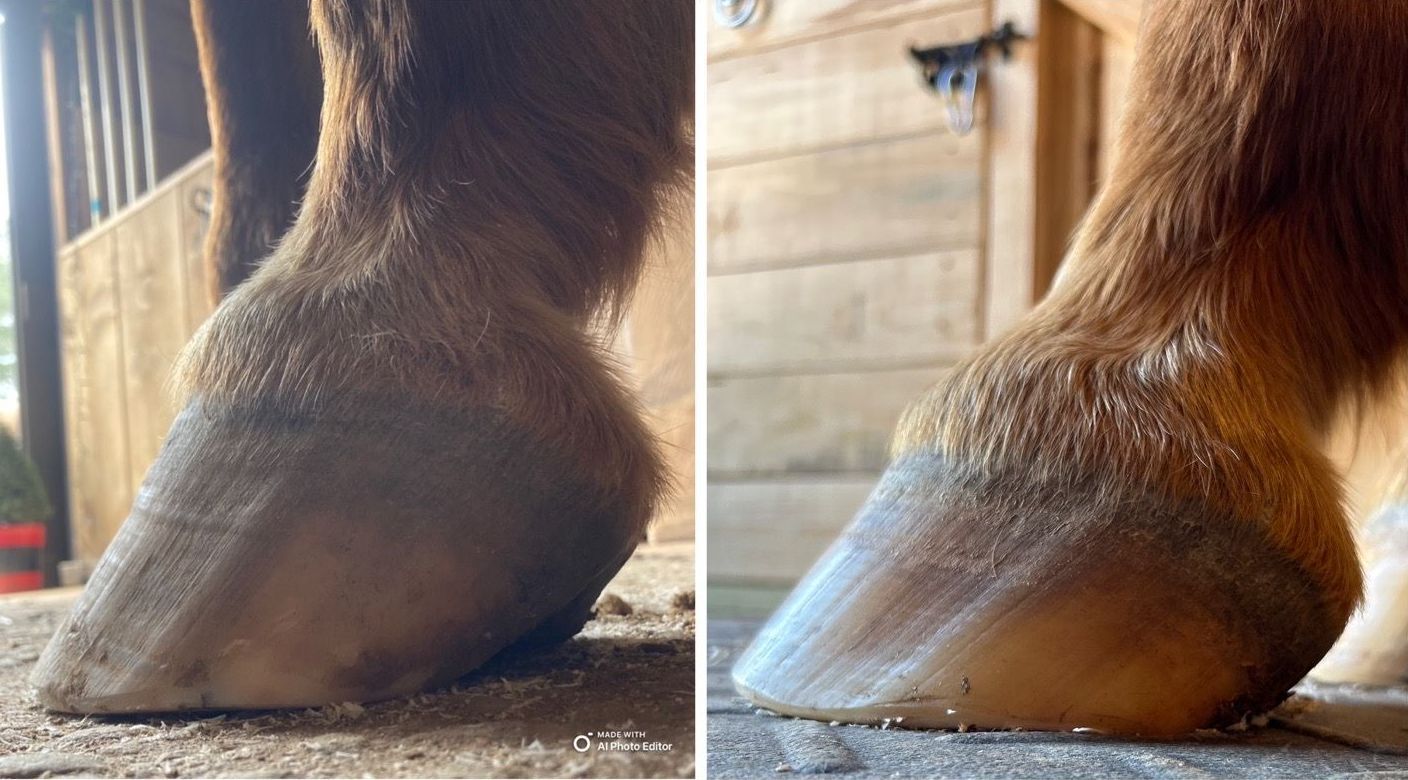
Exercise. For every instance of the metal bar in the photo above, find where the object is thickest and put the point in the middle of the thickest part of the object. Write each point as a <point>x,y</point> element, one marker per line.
<point>124,97</point>
<point>90,142</point>
<point>54,126</point>
<point>139,24</point>
<point>100,46</point>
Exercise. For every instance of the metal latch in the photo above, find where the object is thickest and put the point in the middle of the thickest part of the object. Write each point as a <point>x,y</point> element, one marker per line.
<point>953,71</point>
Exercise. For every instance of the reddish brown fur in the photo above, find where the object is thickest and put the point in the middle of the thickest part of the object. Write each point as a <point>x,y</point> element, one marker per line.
<point>486,181</point>
<point>1242,274</point>
<point>262,90</point>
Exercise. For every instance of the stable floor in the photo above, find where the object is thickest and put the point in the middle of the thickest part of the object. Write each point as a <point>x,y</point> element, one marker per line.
<point>1322,732</point>
<point>516,717</point>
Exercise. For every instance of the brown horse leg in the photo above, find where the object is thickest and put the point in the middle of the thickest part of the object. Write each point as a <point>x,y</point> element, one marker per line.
<point>403,448</point>
<point>262,90</point>
<point>1117,516</point>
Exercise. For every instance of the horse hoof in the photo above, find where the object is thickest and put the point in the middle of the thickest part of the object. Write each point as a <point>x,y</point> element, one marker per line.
<point>276,560</point>
<point>988,601</point>
<point>1374,647</point>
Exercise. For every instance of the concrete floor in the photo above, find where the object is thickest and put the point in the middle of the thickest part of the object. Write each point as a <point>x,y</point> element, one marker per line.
<point>516,717</point>
<point>1319,733</point>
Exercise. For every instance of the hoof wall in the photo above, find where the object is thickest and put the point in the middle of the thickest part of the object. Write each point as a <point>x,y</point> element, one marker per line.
<point>275,562</point>
<point>960,600</point>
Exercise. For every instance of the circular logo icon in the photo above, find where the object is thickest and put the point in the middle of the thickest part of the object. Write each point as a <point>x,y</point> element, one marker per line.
<point>581,743</point>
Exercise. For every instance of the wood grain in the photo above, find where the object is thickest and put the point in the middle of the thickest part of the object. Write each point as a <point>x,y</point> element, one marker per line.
<point>74,366</point>
<point>125,313</point>
<point>808,423</point>
<point>101,472</point>
<point>154,322</point>
<point>1116,18</point>
<point>789,21</point>
<point>774,530</point>
<point>1067,141</point>
<point>908,195</point>
<point>194,188</point>
<point>893,312</point>
<point>848,88</point>
<point>1011,213</point>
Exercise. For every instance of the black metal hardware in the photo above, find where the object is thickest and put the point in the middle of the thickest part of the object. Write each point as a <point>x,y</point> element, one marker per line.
<point>953,71</point>
<point>735,13</point>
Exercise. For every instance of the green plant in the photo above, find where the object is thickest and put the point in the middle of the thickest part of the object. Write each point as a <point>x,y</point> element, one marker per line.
<point>22,498</point>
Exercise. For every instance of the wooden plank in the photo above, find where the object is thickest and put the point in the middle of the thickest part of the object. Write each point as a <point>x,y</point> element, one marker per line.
<point>154,323</point>
<point>1042,159</point>
<point>1010,250</point>
<point>884,199</point>
<point>808,423</point>
<point>74,364</point>
<point>893,312</point>
<point>169,183</point>
<point>1116,66</point>
<point>774,530</point>
<point>840,90</point>
<point>1067,143</point>
<point>790,21</point>
<point>1116,18</point>
<point>102,492</point>
<point>193,203</point>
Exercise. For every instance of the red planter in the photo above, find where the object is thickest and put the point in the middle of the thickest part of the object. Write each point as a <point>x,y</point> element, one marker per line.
<point>21,546</point>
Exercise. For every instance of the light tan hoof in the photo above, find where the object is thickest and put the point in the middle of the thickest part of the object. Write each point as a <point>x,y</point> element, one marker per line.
<point>1374,647</point>
<point>957,599</point>
<point>277,561</point>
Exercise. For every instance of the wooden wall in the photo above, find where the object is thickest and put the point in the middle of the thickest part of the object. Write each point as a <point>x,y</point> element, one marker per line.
<point>858,248</point>
<point>845,267</point>
<point>130,294</point>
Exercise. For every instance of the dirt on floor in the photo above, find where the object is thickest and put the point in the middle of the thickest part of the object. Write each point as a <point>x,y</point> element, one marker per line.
<point>631,671</point>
